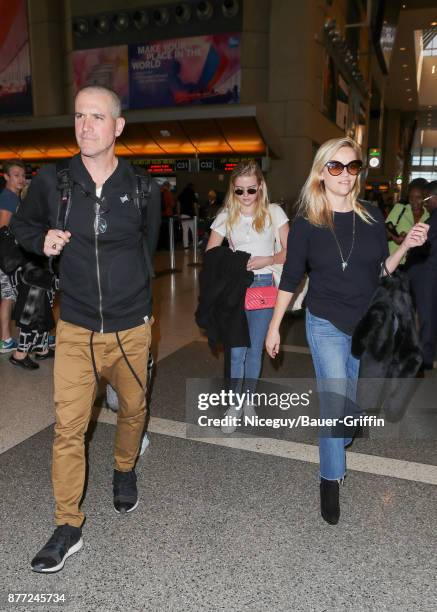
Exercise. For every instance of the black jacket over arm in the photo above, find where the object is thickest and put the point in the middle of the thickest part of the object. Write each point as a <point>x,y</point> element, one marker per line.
<point>223,283</point>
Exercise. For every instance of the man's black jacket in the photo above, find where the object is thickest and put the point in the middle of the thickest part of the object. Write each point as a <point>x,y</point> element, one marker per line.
<point>223,283</point>
<point>104,280</point>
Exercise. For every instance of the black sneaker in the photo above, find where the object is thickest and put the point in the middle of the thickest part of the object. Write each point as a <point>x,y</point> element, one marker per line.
<point>27,363</point>
<point>47,355</point>
<point>65,541</point>
<point>125,491</point>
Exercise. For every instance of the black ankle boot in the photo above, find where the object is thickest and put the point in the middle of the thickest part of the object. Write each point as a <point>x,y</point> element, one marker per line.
<point>329,501</point>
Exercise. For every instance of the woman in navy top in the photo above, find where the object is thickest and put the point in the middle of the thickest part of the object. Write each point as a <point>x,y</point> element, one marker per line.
<point>342,245</point>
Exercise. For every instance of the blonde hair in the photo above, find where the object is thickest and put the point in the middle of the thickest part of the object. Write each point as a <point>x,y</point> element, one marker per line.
<point>232,205</point>
<point>313,203</point>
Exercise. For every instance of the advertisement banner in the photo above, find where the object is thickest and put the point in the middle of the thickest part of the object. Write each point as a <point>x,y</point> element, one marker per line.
<point>107,66</point>
<point>15,75</point>
<point>185,71</point>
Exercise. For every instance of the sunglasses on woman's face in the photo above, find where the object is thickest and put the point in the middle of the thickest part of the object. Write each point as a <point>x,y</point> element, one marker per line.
<point>335,168</point>
<point>239,191</point>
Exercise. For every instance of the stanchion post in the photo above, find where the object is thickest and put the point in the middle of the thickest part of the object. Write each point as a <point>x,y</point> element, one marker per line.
<point>195,239</point>
<point>171,242</point>
<point>195,261</point>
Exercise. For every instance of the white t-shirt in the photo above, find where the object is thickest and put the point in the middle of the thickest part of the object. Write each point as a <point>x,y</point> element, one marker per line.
<point>244,237</point>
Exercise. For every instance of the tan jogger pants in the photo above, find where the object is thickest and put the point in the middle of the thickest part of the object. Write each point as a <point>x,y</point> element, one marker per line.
<point>75,392</point>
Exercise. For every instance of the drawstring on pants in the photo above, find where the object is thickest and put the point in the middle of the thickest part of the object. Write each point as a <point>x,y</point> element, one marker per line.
<point>93,359</point>
<point>127,361</point>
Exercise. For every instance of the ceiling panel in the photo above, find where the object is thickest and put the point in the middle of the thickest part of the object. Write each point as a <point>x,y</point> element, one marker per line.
<point>178,138</point>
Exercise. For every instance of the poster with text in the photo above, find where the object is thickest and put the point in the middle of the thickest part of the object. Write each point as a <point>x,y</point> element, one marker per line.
<point>185,71</point>
<point>107,66</point>
<point>15,74</point>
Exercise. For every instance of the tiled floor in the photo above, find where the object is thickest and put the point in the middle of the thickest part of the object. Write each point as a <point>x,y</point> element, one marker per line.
<point>224,523</point>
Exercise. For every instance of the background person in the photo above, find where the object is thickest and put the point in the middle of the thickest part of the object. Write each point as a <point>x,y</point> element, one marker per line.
<point>403,216</point>
<point>343,245</point>
<point>15,177</point>
<point>422,273</point>
<point>33,313</point>
<point>187,209</point>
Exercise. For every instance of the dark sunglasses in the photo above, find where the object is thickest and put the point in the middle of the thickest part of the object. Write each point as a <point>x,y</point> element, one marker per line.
<point>335,168</point>
<point>239,191</point>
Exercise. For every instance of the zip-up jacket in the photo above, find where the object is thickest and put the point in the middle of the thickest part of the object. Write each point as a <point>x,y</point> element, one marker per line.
<point>104,279</point>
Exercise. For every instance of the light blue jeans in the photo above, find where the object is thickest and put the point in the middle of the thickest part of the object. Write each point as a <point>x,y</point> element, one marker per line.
<point>337,373</point>
<point>246,362</point>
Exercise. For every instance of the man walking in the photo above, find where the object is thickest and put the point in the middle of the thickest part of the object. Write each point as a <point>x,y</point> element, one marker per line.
<point>105,318</point>
<point>15,177</point>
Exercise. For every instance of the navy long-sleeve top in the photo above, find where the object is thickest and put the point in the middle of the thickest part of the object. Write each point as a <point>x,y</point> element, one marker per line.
<point>341,297</point>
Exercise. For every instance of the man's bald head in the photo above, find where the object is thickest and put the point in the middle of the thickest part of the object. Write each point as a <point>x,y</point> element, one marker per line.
<point>114,98</point>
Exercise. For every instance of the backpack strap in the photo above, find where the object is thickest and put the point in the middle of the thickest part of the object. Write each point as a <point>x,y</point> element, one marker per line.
<point>64,185</point>
<point>401,213</point>
<point>142,188</point>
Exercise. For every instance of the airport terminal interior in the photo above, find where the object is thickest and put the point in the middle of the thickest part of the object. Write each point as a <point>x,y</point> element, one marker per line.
<point>225,521</point>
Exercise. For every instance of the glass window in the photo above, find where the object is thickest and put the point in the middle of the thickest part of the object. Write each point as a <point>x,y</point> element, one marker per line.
<point>429,176</point>
<point>427,160</point>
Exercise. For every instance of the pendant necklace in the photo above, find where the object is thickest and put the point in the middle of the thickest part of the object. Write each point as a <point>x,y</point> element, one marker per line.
<point>344,262</point>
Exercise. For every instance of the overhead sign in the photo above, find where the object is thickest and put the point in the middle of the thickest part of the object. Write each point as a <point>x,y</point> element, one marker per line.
<point>223,164</point>
<point>212,164</point>
<point>185,71</point>
<point>177,72</point>
<point>15,74</point>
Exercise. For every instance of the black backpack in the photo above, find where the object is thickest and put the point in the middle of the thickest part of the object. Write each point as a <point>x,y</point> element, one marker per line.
<point>141,190</point>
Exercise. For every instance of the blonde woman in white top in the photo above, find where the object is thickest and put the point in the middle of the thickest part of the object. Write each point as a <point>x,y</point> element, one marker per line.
<point>250,223</point>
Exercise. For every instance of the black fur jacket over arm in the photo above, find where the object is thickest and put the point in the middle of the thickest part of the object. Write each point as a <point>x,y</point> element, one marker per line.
<point>387,344</point>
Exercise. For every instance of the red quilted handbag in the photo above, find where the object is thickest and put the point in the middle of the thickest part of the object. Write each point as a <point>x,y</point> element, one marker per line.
<point>260,297</point>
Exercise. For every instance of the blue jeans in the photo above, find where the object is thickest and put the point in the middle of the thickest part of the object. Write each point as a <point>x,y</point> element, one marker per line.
<point>337,373</point>
<point>246,362</point>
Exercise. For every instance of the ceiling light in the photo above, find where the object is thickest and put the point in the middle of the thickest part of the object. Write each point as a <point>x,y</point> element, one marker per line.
<point>410,99</point>
<point>433,69</point>
<point>434,24</point>
<point>102,24</point>
<point>402,48</point>
<point>121,21</point>
<point>140,19</point>
<point>230,8</point>
<point>408,90</point>
<point>182,13</point>
<point>80,27</point>
<point>404,65</point>
<point>161,17</point>
<point>407,79</point>
<point>204,10</point>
